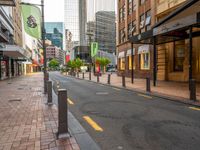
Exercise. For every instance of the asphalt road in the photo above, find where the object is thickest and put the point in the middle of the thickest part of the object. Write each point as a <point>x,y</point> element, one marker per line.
<point>129,120</point>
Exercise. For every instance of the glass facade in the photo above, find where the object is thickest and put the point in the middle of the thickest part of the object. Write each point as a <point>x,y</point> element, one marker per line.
<point>71,17</point>
<point>54,33</point>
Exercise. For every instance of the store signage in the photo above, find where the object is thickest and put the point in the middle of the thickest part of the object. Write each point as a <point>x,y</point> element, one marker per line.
<point>175,24</point>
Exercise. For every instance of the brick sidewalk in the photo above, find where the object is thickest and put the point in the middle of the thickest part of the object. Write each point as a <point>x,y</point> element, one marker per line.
<point>170,89</point>
<point>27,123</point>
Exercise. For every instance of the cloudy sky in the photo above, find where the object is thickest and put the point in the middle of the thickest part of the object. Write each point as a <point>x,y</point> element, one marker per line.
<point>54,9</point>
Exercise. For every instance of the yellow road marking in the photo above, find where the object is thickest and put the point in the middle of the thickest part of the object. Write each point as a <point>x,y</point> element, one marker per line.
<point>146,96</point>
<point>195,108</point>
<point>117,89</point>
<point>70,101</point>
<point>93,123</point>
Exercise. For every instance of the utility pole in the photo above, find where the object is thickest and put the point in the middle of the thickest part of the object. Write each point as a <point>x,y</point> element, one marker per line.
<point>44,48</point>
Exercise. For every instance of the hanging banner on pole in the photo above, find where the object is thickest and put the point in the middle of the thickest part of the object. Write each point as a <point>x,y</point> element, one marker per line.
<point>94,49</point>
<point>32,20</point>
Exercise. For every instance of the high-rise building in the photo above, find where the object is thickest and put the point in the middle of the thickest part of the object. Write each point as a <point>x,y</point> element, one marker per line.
<point>71,18</point>
<point>55,33</point>
<point>105,33</point>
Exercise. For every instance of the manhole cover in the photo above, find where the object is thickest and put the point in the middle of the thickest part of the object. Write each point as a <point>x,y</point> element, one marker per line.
<point>20,88</point>
<point>9,83</point>
<point>15,100</point>
<point>101,93</point>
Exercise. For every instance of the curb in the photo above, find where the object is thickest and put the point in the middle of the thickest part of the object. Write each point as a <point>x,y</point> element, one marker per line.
<point>83,139</point>
<point>170,98</point>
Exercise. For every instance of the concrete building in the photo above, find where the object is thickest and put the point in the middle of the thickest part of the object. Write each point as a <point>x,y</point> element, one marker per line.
<point>105,33</point>
<point>55,52</point>
<point>160,39</point>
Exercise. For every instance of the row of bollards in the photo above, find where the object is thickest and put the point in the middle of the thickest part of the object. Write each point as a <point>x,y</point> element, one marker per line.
<point>62,109</point>
<point>192,83</point>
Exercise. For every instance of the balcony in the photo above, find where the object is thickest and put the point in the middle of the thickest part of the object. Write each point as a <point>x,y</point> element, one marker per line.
<point>7,3</point>
<point>167,5</point>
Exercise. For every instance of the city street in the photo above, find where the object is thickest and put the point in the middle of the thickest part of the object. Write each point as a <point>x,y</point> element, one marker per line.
<point>121,119</point>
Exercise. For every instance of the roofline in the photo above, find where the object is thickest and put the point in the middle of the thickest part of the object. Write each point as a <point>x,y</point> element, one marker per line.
<point>177,11</point>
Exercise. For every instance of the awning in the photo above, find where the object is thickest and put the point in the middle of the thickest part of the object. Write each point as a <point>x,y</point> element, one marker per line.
<point>121,55</point>
<point>185,16</point>
<point>15,52</point>
<point>128,53</point>
<point>143,49</point>
<point>143,38</point>
<point>7,2</point>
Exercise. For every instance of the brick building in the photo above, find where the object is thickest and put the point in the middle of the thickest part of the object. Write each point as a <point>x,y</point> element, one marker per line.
<point>146,22</point>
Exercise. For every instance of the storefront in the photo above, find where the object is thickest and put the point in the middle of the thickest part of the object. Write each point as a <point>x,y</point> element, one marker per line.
<point>177,38</point>
<point>11,61</point>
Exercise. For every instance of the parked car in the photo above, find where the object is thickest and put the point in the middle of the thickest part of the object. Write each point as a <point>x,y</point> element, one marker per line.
<point>111,70</point>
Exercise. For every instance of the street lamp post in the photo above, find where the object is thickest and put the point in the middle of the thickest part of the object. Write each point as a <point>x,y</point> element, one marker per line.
<point>43,43</point>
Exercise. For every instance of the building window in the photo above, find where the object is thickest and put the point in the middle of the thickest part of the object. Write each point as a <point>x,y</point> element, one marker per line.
<point>120,15</point>
<point>148,20</point>
<point>130,7</point>
<point>179,55</point>
<point>130,62</point>
<point>123,12</point>
<point>145,61</point>
<point>142,2</point>
<point>142,29</point>
<point>131,28</point>
<point>122,63</point>
<point>122,35</point>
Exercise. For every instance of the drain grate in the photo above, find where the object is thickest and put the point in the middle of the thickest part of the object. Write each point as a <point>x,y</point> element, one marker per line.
<point>9,82</point>
<point>15,100</point>
<point>20,88</point>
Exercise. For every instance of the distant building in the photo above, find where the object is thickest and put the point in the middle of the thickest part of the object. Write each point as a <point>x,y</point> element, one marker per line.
<point>55,32</point>
<point>105,33</point>
<point>55,52</point>
<point>91,27</point>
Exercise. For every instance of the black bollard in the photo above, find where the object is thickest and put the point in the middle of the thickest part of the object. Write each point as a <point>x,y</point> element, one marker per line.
<point>90,75</point>
<point>148,84</point>
<point>49,92</point>
<point>97,77</point>
<point>193,90</point>
<point>123,81</point>
<point>109,78</point>
<point>62,113</point>
<point>83,75</point>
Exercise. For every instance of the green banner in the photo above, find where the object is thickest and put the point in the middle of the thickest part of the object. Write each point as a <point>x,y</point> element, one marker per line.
<point>32,20</point>
<point>94,49</point>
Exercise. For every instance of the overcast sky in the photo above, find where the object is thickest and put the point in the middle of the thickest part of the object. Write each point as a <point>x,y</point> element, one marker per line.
<point>54,9</point>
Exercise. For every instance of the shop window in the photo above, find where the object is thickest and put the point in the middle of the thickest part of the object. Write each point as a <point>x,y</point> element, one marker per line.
<point>142,2</point>
<point>130,62</point>
<point>122,63</point>
<point>179,55</point>
<point>145,61</point>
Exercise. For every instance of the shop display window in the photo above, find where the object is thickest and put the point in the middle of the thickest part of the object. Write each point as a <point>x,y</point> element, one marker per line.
<point>145,61</point>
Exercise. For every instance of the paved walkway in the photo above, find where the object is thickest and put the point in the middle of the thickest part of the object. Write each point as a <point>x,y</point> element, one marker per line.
<point>26,122</point>
<point>168,89</point>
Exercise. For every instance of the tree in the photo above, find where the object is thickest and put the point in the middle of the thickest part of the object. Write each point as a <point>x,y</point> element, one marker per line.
<point>54,64</point>
<point>78,63</point>
<point>102,62</point>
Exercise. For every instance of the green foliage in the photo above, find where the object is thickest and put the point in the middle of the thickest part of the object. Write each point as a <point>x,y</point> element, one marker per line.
<point>103,62</point>
<point>54,64</point>
<point>75,64</point>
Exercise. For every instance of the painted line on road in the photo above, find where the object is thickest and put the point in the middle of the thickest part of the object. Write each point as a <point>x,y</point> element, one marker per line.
<point>70,101</point>
<point>146,96</point>
<point>92,123</point>
<point>195,108</point>
<point>116,89</point>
